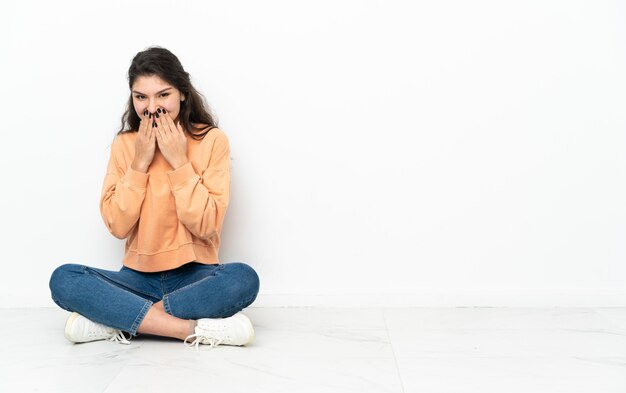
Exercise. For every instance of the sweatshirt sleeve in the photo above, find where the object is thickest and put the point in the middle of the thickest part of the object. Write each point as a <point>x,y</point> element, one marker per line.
<point>201,201</point>
<point>123,193</point>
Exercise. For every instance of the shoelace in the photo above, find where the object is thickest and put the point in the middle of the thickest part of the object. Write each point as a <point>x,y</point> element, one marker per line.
<point>119,337</point>
<point>115,335</point>
<point>203,339</point>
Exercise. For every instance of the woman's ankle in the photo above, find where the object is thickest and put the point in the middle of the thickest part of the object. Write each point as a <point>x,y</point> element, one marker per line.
<point>192,328</point>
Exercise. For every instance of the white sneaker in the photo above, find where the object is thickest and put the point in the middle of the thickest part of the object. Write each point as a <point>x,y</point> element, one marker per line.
<point>79,329</point>
<point>234,330</point>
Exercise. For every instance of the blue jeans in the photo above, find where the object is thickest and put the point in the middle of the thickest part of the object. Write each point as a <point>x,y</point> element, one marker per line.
<point>121,299</point>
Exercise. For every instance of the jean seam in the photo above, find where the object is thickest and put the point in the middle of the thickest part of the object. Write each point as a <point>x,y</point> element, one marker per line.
<point>247,300</point>
<point>162,282</point>
<point>144,309</point>
<point>166,304</point>
<point>126,287</point>
<point>166,298</point>
<point>189,286</point>
<point>115,286</point>
<point>140,317</point>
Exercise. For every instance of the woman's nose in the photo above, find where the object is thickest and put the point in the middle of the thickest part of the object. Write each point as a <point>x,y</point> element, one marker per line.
<point>152,106</point>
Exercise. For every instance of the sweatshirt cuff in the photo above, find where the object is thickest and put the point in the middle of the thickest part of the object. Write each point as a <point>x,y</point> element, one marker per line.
<point>181,175</point>
<point>135,178</point>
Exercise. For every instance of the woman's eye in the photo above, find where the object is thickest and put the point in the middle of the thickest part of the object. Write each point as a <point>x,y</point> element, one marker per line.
<point>141,97</point>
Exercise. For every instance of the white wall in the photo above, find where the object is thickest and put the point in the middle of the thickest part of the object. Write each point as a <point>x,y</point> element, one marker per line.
<point>383,152</point>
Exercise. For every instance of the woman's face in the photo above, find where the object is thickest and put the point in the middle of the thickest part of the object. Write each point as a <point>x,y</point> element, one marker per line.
<point>152,92</point>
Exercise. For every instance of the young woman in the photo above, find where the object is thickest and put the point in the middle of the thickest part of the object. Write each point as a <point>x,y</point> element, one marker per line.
<point>166,191</point>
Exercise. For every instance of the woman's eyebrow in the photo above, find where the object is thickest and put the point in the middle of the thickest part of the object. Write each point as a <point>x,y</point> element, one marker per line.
<point>135,91</point>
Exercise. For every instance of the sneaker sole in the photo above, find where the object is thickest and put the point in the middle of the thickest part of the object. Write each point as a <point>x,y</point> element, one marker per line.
<point>68,325</point>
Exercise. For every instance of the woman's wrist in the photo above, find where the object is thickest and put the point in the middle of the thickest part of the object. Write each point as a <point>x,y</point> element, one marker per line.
<point>139,167</point>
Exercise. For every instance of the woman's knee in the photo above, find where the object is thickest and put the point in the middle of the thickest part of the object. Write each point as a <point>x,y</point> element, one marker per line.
<point>61,280</point>
<point>247,277</point>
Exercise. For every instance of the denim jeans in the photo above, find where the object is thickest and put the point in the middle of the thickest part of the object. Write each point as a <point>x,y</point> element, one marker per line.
<point>121,299</point>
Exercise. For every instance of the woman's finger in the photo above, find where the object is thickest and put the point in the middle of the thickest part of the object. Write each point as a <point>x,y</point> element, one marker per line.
<point>157,129</point>
<point>170,123</point>
<point>153,123</point>
<point>145,121</point>
<point>147,127</point>
<point>150,127</point>
<point>162,123</point>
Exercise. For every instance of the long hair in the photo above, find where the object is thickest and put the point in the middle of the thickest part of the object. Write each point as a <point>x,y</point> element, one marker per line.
<point>163,63</point>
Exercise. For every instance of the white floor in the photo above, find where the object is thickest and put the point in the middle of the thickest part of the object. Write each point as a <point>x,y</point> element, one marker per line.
<point>335,350</point>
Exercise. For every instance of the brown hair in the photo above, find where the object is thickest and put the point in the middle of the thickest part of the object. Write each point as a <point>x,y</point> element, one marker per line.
<point>163,63</point>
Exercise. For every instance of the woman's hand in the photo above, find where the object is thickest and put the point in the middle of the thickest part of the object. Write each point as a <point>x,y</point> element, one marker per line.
<point>171,139</point>
<point>144,144</point>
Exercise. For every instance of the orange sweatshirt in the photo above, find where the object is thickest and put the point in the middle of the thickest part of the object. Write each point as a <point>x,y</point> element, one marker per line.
<point>169,217</point>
